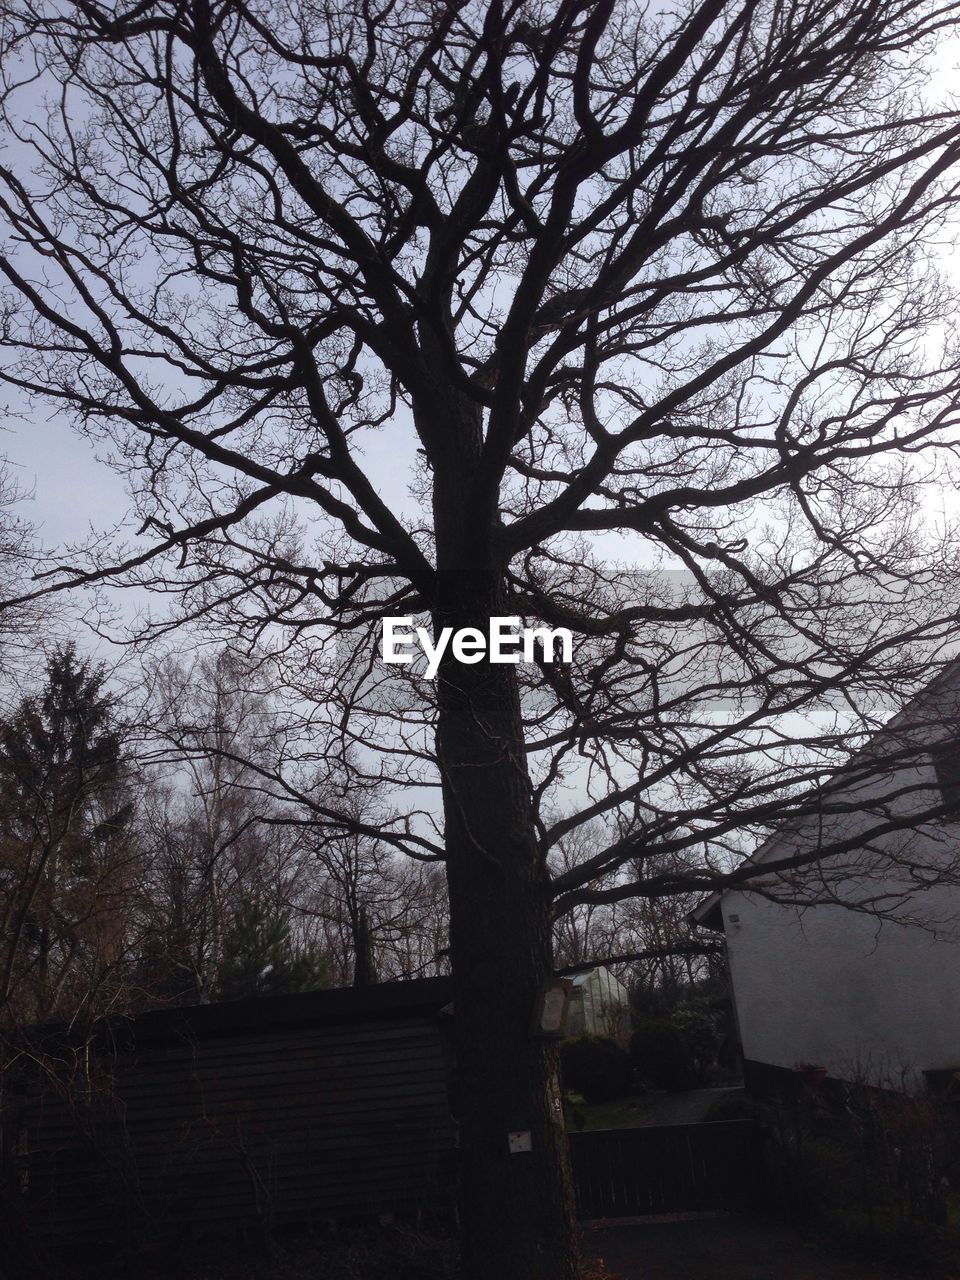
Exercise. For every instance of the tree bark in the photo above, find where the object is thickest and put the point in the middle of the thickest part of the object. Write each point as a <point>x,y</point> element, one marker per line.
<point>517,1218</point>
<point>364,967</point>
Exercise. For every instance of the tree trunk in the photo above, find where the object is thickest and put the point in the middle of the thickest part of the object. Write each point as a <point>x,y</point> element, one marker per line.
<point>517,1219</point>
<point>364,966</point>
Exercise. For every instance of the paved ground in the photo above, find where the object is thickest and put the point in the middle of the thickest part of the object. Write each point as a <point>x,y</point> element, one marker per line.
<point>716,1247</point>
<point>688,1107</point>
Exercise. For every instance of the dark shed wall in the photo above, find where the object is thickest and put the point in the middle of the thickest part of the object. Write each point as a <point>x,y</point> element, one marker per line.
<point>283,1111</point>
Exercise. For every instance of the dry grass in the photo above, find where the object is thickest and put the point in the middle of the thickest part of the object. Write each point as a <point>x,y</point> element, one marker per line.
<point>596,1269</point>
<point>388,1253</point>
<point>396,1252</point>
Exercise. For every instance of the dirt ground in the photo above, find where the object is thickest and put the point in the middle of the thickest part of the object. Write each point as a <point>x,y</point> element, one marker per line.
<point>718,1247</point>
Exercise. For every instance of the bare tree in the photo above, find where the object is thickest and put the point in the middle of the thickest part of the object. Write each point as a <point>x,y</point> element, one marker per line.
<point>376,915</point>
<point>414,935</point>
<point>225,826</point>
<point>597,280</point>
<point>205,726</point>
<point>649,942</point>
<point>23,628</point>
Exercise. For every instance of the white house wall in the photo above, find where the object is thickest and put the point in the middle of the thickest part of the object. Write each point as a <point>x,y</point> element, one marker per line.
<point>835,989</point>
<point>826,986</point>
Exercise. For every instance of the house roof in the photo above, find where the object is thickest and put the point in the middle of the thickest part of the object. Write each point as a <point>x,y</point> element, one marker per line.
<point>708,913</point>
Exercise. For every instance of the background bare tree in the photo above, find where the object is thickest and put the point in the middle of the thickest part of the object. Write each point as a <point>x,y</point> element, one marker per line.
<point>225,827</point>
<point>205,723</point>
<point>650,943</point>
<point>598,281</point>
<point>380,919</point>
<point>24,628</point>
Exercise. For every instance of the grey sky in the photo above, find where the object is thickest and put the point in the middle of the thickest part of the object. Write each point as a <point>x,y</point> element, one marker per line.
<point>73,493</point>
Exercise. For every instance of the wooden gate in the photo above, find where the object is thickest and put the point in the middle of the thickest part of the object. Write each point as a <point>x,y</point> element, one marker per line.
<point>668,1168</point>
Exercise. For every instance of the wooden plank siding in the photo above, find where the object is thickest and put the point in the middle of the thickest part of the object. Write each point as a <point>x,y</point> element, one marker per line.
<point>270,1112</point>
<point>667,1168</point>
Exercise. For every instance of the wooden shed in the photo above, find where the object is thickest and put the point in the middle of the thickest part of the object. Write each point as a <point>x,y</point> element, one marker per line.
<point>276,1111</point>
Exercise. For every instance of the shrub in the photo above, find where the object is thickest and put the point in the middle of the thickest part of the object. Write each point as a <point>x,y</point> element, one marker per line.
<point>700,1025</point>
<point>595,1066</point>
<point>660,1053</point>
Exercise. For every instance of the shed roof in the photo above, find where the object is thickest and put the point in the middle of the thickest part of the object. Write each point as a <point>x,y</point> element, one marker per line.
<point>335,1005</point>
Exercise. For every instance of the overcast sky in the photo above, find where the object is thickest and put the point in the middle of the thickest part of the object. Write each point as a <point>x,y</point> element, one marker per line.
<point>72,492</point>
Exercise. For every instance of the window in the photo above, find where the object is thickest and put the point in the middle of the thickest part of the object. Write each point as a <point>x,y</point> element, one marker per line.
<point>946,761</point>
